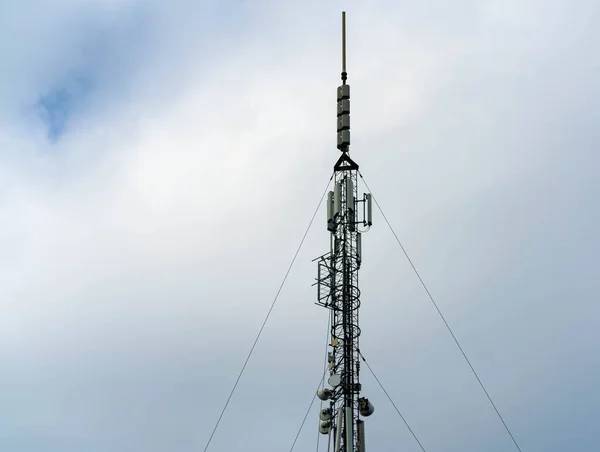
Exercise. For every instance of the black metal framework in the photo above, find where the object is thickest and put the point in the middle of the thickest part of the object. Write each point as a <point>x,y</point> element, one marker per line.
<point>338,287</point>
<point>339,292</point>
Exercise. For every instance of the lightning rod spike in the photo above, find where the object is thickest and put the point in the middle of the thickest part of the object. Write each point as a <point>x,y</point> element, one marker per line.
<point>344,74</point>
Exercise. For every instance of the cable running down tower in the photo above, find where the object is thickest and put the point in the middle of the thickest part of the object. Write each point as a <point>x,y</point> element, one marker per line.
<point>337,289</point>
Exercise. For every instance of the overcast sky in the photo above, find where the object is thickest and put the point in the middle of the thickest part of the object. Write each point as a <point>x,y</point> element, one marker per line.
<point>160,161</point>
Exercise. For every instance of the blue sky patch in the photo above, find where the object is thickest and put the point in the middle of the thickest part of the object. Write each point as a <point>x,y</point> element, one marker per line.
<point>100,63</point>
<point>59,104</point>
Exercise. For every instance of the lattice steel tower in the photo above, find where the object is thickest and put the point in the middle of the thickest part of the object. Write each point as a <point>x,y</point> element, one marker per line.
<point>337,281</point>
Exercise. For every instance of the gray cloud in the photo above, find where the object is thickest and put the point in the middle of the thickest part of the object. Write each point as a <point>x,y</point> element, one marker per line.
<point>141,255</point>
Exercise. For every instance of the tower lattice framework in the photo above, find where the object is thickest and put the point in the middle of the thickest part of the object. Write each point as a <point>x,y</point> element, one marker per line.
<point>347,218</point>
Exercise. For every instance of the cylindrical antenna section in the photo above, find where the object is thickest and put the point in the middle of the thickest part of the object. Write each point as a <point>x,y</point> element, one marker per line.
<point>330,224</point>
<point>349,194</point>
<point>369,200</point>
<point>349,430</point>
<point>343,42</point>
<point>338,431</point>
<point>350,204</point>
<point>358,248</point>
<point>360,425</point>
<point>337,197</point>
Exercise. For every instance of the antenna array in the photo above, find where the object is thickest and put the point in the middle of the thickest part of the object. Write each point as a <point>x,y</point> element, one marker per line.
<point>337,288</point>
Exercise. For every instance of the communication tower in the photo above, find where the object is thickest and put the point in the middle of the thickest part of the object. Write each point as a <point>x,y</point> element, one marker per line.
<point>348,216</point>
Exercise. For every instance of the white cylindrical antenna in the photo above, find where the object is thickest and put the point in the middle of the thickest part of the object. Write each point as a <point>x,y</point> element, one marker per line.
<point>338,431</point>
<point>360,430</point>
<point>349,194</point>
<point>350,205</point>
<point>369,209</point>
<point>331,237</point>
<point>349,429</point>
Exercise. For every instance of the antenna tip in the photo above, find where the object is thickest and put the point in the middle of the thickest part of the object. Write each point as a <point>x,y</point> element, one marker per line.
<point>343,45</point>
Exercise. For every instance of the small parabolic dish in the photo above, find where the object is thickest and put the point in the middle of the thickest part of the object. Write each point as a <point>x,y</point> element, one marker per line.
<point>335,380</point>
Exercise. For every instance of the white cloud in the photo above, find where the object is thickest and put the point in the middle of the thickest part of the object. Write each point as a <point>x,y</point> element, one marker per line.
<point>142,250</point>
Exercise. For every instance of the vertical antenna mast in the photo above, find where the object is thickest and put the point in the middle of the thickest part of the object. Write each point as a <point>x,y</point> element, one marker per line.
<point>344,46</point>
<point>338,291</point>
